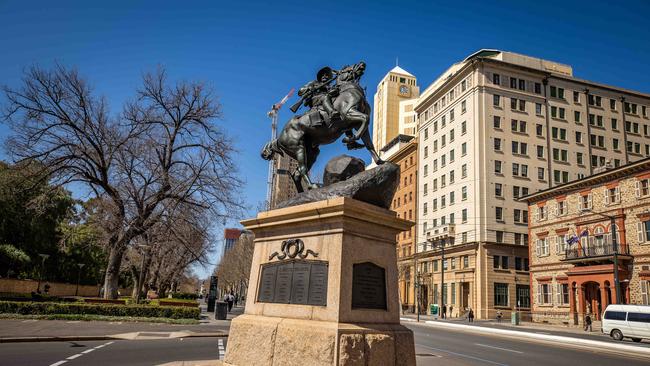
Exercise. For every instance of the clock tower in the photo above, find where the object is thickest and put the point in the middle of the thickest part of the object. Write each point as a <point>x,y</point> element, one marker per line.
<point>393,114</point>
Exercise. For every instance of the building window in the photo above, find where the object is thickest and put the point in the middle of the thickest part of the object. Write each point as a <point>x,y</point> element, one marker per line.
<point>585,202</point>
<point>576,116</point>
<point>496,79</point>
<point>576,97</point>
<point>498,167</point>
<point>504,262</point>
<point>497,144</point>
<point>540,174</point>
<point>612,195</point>
<point>523,296</point>
<point>501,294</point>
<point>498,189</point>
<point>645,288</point>
<point>540,151</point>
<point>562,292</point>
<point>520,216</point>
<point>500,235</point>
<point>518,262</point>
<point>463,127</point>
<point>464,215</point>
<point>538,109</point>
<point>642,188</point>
<point>496,100</point>
<point>496,262</point>
<point>643,231</point>
<point>595,100</point>
<point>463,148</point>
<point>497,122</point>
<point>578,137</point>
<point>538,88</point>
<point>499,213</point>
<point>544,294</point>
<point>464,171</point>
<point>540,215</point>
<point>542,248</point>
<point>464,193</point>
<point>561,208</point>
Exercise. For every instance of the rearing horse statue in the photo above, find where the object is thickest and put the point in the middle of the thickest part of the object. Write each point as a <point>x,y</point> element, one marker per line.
<point>303,134</point>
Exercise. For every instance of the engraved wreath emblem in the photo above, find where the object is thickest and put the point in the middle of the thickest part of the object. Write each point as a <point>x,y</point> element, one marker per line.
<point>293,248</point>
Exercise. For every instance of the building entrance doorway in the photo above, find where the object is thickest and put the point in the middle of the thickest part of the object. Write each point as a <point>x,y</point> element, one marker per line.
<point>424,295</point>
<point>464,297</point>
<point>593,302</point>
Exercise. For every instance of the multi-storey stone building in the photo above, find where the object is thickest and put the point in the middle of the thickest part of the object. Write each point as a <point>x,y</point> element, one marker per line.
<point>491,129</point>
<point>572,252</point>
<point>397,86</point>
<point>403,150</point>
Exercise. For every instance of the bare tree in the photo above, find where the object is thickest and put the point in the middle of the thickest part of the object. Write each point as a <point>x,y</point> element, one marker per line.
<point>164,149</point>
<point>234,269</point>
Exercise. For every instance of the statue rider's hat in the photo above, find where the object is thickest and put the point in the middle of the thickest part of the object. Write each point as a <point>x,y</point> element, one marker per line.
<point>325,71</point>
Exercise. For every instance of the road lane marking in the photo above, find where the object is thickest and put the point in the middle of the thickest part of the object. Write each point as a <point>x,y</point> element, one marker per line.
<point>222,350</point>
<point>463,355</point>
<point>88,350</point>
<point>74,356</point>
<point>81,354</point>
<point>499,348</point>
<point>29,321</point>
<point>59,363</point>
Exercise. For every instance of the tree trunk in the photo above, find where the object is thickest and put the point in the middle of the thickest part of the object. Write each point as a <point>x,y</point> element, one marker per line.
<point>111,283</point>
<point>136,282</point>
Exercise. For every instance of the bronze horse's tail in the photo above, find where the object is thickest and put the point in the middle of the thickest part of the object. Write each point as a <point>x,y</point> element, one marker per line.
<point>270,149</point>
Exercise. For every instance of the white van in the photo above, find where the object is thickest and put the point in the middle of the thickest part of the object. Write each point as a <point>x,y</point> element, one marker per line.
<point>630,321</point>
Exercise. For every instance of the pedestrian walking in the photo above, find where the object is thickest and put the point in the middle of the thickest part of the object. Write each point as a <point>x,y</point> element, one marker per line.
<point>444,311</point>
<point>231,301</point>
<point>470,315</point>
<point>587,323</point>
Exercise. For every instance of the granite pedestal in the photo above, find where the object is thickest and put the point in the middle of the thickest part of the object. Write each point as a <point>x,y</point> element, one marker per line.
<point>297,315</point>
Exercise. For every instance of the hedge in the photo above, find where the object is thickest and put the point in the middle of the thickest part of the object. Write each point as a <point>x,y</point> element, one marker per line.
<point>41,308</point>
<point>185,295</point>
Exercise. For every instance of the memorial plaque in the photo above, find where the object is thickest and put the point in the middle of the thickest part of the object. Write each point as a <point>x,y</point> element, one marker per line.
<point>266,289</point>
<point>368,286</point>
<point>318,284</point>
<point>283,283</point>
<point>299,282</point>
<point>300,285</point>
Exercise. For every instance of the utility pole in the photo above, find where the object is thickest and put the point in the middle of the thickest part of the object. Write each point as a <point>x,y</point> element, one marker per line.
<point>273,114</point>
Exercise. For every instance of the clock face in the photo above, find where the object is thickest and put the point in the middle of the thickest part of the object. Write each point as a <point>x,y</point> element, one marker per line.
<point>404,89</point>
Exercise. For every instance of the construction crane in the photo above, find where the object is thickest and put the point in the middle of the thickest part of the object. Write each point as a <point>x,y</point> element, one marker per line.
<point>273,114</point>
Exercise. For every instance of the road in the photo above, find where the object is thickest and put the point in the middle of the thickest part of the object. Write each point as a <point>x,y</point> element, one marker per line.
<point>99,353</point>
<point>435,346</point>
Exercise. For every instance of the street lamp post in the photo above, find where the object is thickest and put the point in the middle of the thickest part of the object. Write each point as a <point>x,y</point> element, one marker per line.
<point>40,275</point>
<point>441,244</point>
<point>617,282</point>
<point>80,265</point>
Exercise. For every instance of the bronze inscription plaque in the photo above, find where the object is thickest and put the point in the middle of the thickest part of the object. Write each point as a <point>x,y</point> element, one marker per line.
<point>302,282</point>
<point>368,286</point>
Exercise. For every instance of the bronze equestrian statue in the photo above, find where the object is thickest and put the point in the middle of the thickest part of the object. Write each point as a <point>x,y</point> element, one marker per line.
<point>334,110</point>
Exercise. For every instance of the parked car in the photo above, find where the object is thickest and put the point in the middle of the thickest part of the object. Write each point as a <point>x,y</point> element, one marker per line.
<point>627,321</point>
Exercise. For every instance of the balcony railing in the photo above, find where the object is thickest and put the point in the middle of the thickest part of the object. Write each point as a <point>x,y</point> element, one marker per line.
<point>595,250</point>
<point>442,232</point>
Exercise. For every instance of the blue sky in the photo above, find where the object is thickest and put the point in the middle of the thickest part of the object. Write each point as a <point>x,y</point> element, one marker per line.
<point>253,52</point>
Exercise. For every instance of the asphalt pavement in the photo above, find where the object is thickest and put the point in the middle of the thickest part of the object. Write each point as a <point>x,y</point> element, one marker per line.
<point>100,353</point>
<point>435,346</point>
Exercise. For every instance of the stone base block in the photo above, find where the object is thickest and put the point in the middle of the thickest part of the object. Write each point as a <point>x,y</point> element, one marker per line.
<point>266,341</point>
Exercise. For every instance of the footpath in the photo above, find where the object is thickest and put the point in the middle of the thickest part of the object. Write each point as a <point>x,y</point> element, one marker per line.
<point>569,336</point>
<point>31,330</point>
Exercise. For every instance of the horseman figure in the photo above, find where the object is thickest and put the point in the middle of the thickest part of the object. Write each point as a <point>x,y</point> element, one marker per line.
<point>334,110</point>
